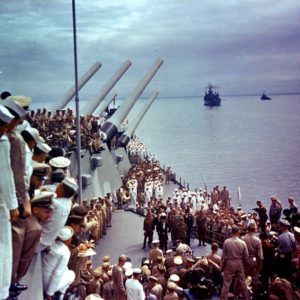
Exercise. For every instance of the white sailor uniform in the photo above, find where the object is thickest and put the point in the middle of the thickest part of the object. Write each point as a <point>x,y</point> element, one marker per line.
<point>8,201</point>
<point>56,275</point>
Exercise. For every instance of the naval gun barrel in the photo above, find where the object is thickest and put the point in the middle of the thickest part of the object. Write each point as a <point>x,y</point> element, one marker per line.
<point>91,106</point>
<point>71,92</point>
<point>126,136</point>
<point>105,104</point>
<point>111,126</point>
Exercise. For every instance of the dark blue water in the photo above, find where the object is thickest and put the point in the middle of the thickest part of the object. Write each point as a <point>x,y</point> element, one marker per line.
<point>246,143</point>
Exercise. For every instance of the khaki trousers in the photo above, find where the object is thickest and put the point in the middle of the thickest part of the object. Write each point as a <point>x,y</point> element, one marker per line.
<point>234,268</point>
<point>26,236</point>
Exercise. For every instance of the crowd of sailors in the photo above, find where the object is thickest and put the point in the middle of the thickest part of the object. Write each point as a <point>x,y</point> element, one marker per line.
<point>271,233</point>
<point>43,222</point>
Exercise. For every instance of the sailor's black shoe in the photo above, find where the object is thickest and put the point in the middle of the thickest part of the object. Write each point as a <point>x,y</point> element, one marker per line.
<point>17,287</point>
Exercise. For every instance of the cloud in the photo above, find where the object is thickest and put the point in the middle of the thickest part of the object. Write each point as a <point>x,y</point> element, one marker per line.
<point>240,45</point>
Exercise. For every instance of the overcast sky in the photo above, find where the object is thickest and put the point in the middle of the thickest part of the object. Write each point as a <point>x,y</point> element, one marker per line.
<point>241,46</point>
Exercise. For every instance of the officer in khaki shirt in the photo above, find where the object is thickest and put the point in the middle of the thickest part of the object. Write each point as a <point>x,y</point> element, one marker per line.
<point>254,262</point>
<point>234,256</point>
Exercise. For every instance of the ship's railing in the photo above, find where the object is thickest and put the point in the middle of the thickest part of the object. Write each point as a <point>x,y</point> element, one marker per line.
<point>180,182</point>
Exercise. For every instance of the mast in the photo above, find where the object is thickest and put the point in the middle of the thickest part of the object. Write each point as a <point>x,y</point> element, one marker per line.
<point>78,136</point>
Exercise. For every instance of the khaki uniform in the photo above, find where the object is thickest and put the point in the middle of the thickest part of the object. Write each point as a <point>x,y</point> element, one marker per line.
<point>25,233</point>
<point>153,254</point>
<point>104,218</point>
<point>234,253</point>
<point>157,290</point>
<point>253,265</point>
<point>100,221</point>
<point>109,207</point>
<point>26,236</point>
<point>108,290</point>
<point>118,283</point>
<point>171,296</point>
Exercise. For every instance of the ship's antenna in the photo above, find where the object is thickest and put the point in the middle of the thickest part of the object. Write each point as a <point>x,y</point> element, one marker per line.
<point>78,136</point>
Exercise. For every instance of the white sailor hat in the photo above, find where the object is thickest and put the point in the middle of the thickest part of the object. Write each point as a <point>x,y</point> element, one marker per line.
<point>5,115</point>
<point>71,183</point>
<point>153,278</point>
<point>137,271</point>
<point>155,242</point>
<point>24,101</point>
<point>296,230</point>
<point>128,272</point>
<point>65,233</point>
<point>127,265</point>
<point>59,162</point>
<point>44,147</point>
<point>163,214</point>
<point>35,135</point>
<point>93,297</point>
<point>178,260</point>
<point>174,278</point>
<point>169,251</point>
<point>284,222</point>
<point>15,107</point>
<point>23,125</point>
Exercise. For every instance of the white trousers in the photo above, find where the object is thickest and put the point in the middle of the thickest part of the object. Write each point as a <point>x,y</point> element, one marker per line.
<point>66,279</point>
<point>5,252</point>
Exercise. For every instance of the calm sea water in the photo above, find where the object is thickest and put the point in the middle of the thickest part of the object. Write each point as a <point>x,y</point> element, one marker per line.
<point>246,143</point>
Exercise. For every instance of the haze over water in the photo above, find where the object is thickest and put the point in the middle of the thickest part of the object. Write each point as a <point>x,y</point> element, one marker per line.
<point>245,142</point>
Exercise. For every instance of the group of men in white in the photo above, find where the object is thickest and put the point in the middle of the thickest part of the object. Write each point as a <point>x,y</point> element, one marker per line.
<point>197,200</point>
<point>32,217</point>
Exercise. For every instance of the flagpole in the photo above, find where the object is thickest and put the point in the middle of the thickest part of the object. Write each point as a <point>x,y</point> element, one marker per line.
<point>78,136</point>
<point>204,182</point>
<point>239,196</point>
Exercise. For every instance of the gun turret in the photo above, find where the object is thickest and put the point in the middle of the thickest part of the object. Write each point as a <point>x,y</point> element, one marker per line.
<point>71,92</point>
<point>91,106</point>
<point>111,126</point>
<point>105,104</point>
<point>126,136</point>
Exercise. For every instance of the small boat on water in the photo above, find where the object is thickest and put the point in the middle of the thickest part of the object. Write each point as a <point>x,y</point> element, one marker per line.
<point>211,97</point>
<point>265,97</point>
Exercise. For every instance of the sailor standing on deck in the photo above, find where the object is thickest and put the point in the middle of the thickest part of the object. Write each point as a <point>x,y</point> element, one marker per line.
<point>62,203</point>
<point>254,263</point>
<point>8,204</point>
<point>234,254</point>
<point>22,225</point>
<point>148,191</point>
<point>132,186</point>
<point>118,279</point>
<point>134,288</point>
<point>286,244</point>
<point>56,275</point>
